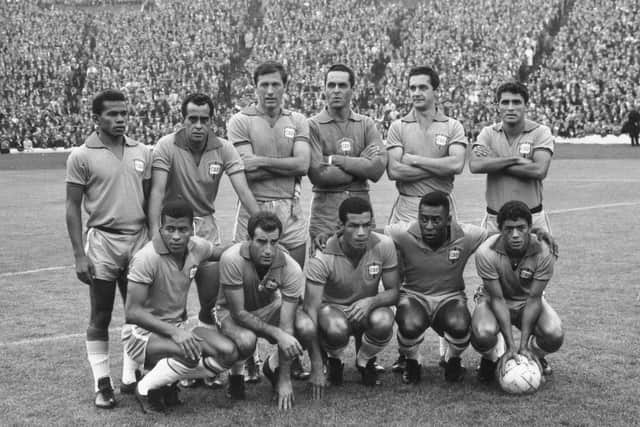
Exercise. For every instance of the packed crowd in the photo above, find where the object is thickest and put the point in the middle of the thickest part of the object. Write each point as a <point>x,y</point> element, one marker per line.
<point>160,51</point>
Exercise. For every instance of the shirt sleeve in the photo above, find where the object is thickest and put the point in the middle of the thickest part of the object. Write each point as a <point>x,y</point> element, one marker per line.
<point>142,268</point>
<point>77,168</point>
<point>544,270</point>
<point>237,132</point>
<point>371,134</point>
<point>389,255</point>
<point>545,140</point>
<point>317,269</point>
<point>162,154</point>
<point>394,137</point>
<point>485,264</point>
<point>230,270</point>
<point>475,236</point>
<point>456,133</point>
<point>302,128</point>
<point>292,286</point>
<point>148,160</point>
<point>315,144</point>
<point>483,138</point>
<point>232,162</point>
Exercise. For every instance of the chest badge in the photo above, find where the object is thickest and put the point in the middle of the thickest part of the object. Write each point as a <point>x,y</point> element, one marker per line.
<point>525,148</point>
<point>268,285</point>
<point>214,169</point>
<point>373,270</point>
<point>454,255</point>
<point>345,145</point>
<point>289,132</point>
<point>138,165</point>
<point>441,140</point>
<point>192,272</point>
<point>526,274</point>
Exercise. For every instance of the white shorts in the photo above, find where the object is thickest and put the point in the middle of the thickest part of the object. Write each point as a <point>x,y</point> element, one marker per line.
<point>111,253</point>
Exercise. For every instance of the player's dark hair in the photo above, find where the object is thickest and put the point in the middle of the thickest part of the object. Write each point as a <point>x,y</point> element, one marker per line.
<point>353,205</point>
<point>514,210</point>
<point>341,67</point>
<point>268,68</point>
<point>97,105</point>
<point>178,208</point>
<point>426,71</point>
<point>513,87</point>
<point>197,99</point>
<point>266,221</point>
<point>436,199</point>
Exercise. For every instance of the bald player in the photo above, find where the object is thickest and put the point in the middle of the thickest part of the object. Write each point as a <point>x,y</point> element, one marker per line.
<point>426,148</point>
<point>346,152</point>
<point>516,155</point>
<point>274,145</point>
<point>432,254</point>
<point>108,175</point>
<point>342,296</point>
<point>515,268</point>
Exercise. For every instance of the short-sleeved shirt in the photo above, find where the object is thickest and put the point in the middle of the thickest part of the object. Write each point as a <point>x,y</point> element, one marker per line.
<point>113,190</point>
<point>493,263</point>
<point>345,283</point>
<point>329,137</point>
<point>501,187</point>
<point>237,271</point>
<point>168,284</point>
<point>436,272</point>
<point>195,183</point>
<point>251,126</point>
<point>433,142</point>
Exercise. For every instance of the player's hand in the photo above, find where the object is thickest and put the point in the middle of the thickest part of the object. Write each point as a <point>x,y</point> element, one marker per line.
<point>85,269</point>
<point>284,394</point>
<point>481,151</point>
<point>320,241</point>
<point>289,345</point>
<point>543,236</point>
<point>526,352</point>
<point>370,152</point>
<point>508,355</point>
<point>188,342</point>
<point>359,310</point>
<point>524,161</point>
<point>318,382</point>
<point>251,162</point>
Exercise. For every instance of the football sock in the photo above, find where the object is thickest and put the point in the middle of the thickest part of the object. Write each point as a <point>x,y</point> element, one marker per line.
<point>455,346</point>
<point>410,347</point>
<point>162,374</point>
<point>129,365</point>
<point>274,361</point>
<point>369,348</point>
<point>337,353</point>
<point>98,355</point>
<point>497,351</point>
<point>535,348</point>
<point>443,346</point>
<point>238,368</point>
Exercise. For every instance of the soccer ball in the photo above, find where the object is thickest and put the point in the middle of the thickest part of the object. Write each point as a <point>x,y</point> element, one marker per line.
<point>520,378</point>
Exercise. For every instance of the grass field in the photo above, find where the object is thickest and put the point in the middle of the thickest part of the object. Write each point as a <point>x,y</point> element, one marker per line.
<point>593,205</point>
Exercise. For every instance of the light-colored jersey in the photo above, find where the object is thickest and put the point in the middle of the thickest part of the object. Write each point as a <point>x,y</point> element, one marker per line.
<point>329,137</point>
<point>501,187</point>
<point>237,271</point>
<point>435,272</point>
<point>251,126</point>
<point>197,184</point>
<point>168,285</point>
<point>113,190</point>
<point>433,142</point>
<point>493,263</point>
<point>345,283</point>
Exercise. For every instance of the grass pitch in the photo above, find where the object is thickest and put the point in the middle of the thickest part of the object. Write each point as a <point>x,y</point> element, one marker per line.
<point>593,205</point>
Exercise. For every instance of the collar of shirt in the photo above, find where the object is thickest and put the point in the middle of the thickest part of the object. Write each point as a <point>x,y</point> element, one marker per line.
<point>455,233</point>
<point>278,261</point>
<point>528,126</point>
<point>333,245</point>
<point>253,110</point>
<point>411,116</point>
<point>213,142</point>
<point>324,116</point>
<point>161,248</point>
<point>534,246</point>
<point>94,141</point>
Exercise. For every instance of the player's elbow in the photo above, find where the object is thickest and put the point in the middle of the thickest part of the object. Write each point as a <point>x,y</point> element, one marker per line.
<point>393,173</point>
<point>475,166</point>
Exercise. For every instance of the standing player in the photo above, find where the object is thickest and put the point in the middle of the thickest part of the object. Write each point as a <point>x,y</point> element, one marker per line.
<point>342,295</point>
<point>109,174</point>
<point>426,149</point>
<point>159,280</point>
<point>261,288</point>
<point>515,269</point>
<point>515,154</point>
<point>346,152</point>
<point>274,145</point>
<point>432,254</point>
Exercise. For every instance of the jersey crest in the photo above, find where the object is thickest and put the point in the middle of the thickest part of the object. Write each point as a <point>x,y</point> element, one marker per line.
<point>214,169</point>
<point>441,140</point>
<point>373,270</point>
<point>138,165</point>
<point>289,132</point>
<point>345,146</point>
<point>454,254</point>
<point>525,148</point>
<point>526,274</point>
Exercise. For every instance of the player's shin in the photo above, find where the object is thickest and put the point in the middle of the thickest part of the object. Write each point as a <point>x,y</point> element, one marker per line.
<point>98,354</point>
<point>456,346</point>
<point>410,347</point>
<point>370,348</point>
<point>129,366</point>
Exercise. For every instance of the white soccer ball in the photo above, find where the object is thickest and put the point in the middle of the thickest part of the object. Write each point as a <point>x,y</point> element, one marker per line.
<point>520,378</point>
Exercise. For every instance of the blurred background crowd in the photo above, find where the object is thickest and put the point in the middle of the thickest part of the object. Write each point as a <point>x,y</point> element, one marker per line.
<point>580,59</point>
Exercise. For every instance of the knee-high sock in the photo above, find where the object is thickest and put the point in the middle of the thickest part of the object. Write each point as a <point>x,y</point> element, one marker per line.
<point>443,346</point>
<point>98,356</point>
<point>336,353</point>
<point>409,347</point>
<point>129,366</point>
<point>456,346</point>
<point>169,370</point>
<point>497,351</point>
<point>370,348</point>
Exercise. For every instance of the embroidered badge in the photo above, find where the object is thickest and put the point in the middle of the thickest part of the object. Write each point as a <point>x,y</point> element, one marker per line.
<point>441,140</point>
<point>138,165</point>
<point>525,148</point>
<point>454,255</point>
<point>526,274</point>
<point>214,168</point>
<point>373,271</point>
<point>345,146</point>
<point>192,272</point>
<point>289,132</point>
<point>267,284</point>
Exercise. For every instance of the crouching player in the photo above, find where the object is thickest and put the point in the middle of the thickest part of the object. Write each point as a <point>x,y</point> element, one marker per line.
<point>261,287</point>
<point>159,279</point>
<point>342,295</point>
<point>432,254</point>
<point>515,269</point>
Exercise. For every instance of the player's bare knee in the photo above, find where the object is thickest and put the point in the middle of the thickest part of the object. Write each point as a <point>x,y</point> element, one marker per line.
<point>412,321</point>
<point>551,340</point>
<point>97,334</point>
<point>245,343</point>
<point>457,324</point>
<point>483,339</point>
<point>380,323</point>
<point>305,328</point>
<point>333,326</point>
